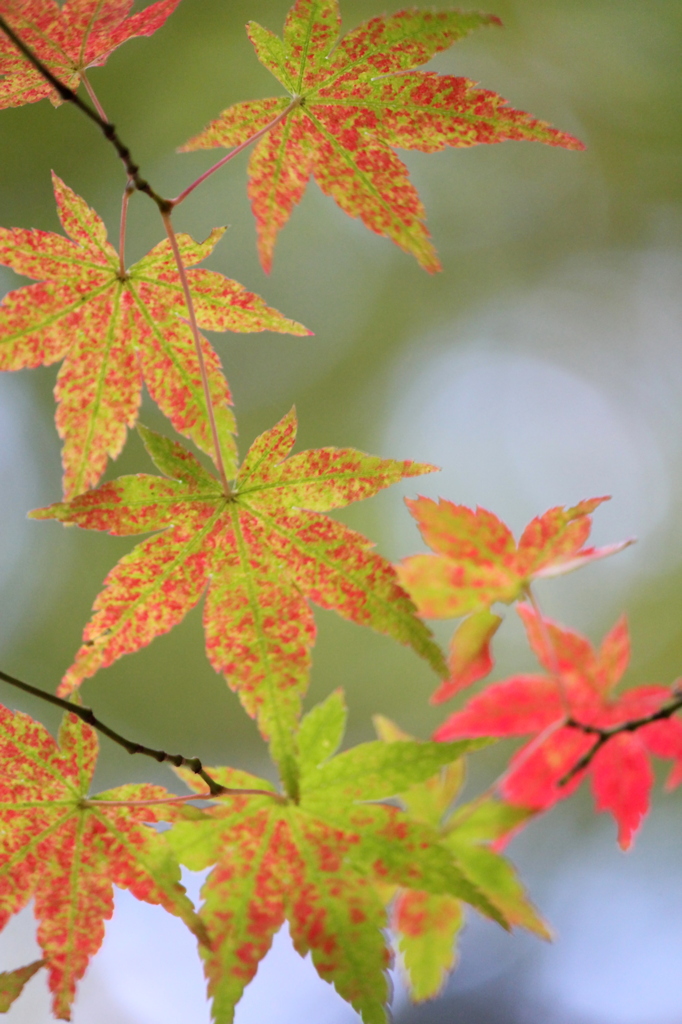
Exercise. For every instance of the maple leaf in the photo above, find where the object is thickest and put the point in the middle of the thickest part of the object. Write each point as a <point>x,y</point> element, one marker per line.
<point>12,983</point>
<point>478,562</point>
<point>79,35</point>
<point>353,99</point>
<point>579,684</point>
<point>113,333</point>
<point>427,923</point>
<point>64,850</point>
<point>313,862</point>
<point>264,552</point>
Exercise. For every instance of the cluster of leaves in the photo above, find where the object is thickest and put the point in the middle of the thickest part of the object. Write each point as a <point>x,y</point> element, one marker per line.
<point>476,562</point>
<point>349,843</point>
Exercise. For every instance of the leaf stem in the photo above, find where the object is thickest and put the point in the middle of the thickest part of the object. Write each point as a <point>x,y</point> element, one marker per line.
<point>105,126</point>
<point>604,735</point>
<point>182,273</point>
<point>93,97</point>
<point>225,791</point>
<point>87,715</point>
<point>127,192</point>
<point>235,152</point>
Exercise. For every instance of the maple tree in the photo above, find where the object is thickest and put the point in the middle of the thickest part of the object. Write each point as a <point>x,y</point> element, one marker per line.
<point>348,846</point>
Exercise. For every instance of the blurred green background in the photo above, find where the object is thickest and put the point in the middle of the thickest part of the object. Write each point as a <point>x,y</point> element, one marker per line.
<point>541,367</point>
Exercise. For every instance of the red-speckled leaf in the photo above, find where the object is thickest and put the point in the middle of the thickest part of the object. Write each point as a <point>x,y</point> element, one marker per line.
<point>12,983</point>
<point>275,864</point>
<point>578,687</point>
<point>261,558</point>
<point>79,35</point>
<point>115,333</point>
<point>477,561</point>
<point>66,854</point>
<point>315,863</point>
<point>352,100</point>
<point>427,927</point>
<point>322,479</point>
<point>402,41</point>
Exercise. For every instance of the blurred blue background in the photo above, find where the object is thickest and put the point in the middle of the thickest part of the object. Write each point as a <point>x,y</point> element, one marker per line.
<point>544,365</point>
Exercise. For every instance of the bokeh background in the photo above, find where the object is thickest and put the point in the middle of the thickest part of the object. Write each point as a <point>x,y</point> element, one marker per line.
<point>544,365</point>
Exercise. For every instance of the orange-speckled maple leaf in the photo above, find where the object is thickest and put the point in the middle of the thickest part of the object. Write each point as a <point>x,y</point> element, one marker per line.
<point>263,552</point>
<point>65,850</point>
<point>68,39</point>
<point>477,562</point>
<point>351,100</point>
<point>427,924</point>
<point>579,685</point>
<point>115,331</point>
<point>314,861</point>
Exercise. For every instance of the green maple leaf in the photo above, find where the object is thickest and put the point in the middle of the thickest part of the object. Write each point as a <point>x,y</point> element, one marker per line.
<point>263,552</point>
<point>314,862</point>
<point>59,848</point>
<point>351,100</point>
<point>12,983</point>
<point>116,330</point>
<point>427,923</point>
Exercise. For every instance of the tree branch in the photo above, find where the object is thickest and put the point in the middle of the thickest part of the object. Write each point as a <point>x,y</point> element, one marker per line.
<point>87,715</point>
<point>106,127</point>
<point>604,735</point>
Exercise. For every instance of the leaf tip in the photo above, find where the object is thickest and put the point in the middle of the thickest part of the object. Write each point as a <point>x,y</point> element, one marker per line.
<point>47,512</point>
<point>420,468</point>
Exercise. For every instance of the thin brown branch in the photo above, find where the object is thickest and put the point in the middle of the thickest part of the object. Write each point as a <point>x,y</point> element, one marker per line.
<point>105,126</point>
<point>88,716</point>
<point>604,735</point>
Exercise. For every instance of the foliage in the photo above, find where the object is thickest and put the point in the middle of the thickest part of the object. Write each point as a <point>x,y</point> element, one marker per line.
<point>347,846</point>
<point>578,687</point>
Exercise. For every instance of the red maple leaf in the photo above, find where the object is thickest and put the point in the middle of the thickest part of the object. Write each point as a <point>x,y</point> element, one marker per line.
<point>478,563</point>
<point>116,330</point>
<point>66,850</point>
<point>68,39</point>
<point>579,686</point>
<point>354,99</point>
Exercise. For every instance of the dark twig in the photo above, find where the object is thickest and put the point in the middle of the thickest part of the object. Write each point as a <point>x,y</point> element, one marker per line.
<point>87,715</point>
<point>604,735</point>
<point>106,127</point>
